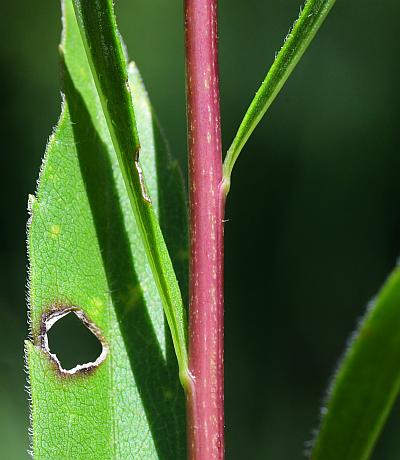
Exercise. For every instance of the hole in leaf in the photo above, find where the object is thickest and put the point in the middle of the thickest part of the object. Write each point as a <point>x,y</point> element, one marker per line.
<point>72,343</point>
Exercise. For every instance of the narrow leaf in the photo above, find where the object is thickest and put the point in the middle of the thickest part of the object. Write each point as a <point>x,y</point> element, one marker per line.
<point>366,384</point>
<point>87,258</point>
<point>296,43</point>
<point>105,54</point>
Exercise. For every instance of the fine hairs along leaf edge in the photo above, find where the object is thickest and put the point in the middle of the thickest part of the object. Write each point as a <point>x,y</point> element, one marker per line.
<point>103,269</point>
<point>366,383</point>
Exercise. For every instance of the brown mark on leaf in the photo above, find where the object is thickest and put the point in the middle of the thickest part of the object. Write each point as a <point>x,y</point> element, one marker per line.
<point>139,170</point>
<point>53,315</point>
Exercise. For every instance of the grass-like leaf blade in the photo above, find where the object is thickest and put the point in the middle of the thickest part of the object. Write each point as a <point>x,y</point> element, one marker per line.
<point>86,252</point>
<point>296,43</point>
<point>366,384</point>
<point>103,46</point>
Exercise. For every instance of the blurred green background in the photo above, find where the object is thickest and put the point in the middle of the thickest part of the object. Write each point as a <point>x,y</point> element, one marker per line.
<point>314,211</point>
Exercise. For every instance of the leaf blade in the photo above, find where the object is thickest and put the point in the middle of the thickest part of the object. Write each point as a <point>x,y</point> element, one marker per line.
<point>85,251</point>
<point>104,50</point>
<point>366,383</point>
<point>296,43</point>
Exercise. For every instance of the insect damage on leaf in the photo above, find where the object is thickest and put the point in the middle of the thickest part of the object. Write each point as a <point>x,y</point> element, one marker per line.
<point>86,255</point>
<point>139,170</point>
<point>53,316</point>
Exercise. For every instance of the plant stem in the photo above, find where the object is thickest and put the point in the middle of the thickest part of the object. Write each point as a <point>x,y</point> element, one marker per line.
<point>205,395</point>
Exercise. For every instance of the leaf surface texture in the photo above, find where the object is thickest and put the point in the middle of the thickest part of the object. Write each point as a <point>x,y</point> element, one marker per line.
<point>86,253</point>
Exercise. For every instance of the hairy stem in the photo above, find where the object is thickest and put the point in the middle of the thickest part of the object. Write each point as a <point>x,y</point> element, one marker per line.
<point>205,398</point>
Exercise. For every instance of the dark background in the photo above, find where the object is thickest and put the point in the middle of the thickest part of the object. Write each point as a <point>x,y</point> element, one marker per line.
<point>314,215</point>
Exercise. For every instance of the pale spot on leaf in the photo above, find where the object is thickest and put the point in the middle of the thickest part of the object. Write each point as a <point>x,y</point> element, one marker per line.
<point>55,230</point>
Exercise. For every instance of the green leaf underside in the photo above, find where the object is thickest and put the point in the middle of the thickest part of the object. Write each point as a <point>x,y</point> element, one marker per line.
<point>296,43</point>
<point>104,50</point>
<point>86,251</point>
<point>366,384</point>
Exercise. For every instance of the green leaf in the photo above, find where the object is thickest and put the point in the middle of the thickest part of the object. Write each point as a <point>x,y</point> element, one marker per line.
<point>87,255</point>
<point>296,43</point>
<point>108,64</point>
<point>366,384</point>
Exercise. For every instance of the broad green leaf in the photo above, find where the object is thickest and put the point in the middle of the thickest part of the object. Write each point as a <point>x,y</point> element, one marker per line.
<point>366,384</point>
<point>296,43</point>
<point>86,254</point>
<point>108,64</point>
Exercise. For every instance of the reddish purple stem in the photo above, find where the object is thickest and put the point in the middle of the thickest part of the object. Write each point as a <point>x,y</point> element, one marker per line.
<point>205,398</point>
